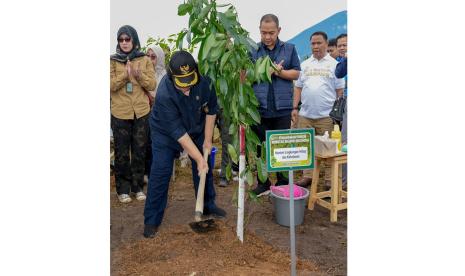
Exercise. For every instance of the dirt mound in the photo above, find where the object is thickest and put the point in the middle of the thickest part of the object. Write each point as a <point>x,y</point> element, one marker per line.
<point>177,250</point>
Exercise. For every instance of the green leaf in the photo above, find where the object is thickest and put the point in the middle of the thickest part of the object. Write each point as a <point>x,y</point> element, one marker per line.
<point>253,99</point>
<point>209,42</point>
<point>217,50</point>
<point>254,114</point>
<point>273,66</point>
<point>228,172</point>
<point>230,13</point>
<point>267,72</point>
<point>250,74</point>
<point>180,38</point>
<point>285,174</point>
<point>227,23</point>
<point>205,11</point>
<point>261,170</point>
<point>249,177</point>
<point>198,39</point>
<point>223,86</point>
<point>241,96</point>
<point>263,150</point>
<point>220,36</point>
<point>232,129</point>
<point>193,26</point>
<point>234,109</point>
<point>184,8</point>
<point>204,68</point>
<point>200,56</point>
<point>235,140</point>
<point>242,117</point>
<point>253,196</point>
<point>252,136</point>
<point>232,153</point>
<point>224,59</point>
<point>258,73</point>
<point>250,148</point>
<point>189,37</point>
<point>218,26</point>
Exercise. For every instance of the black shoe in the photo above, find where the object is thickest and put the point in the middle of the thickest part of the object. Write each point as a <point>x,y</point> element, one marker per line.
<point>262,189</point>
<point>216,212</point>
<point>150,231</point>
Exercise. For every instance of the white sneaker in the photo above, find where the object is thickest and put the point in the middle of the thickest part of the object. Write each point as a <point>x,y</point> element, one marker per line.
<point>124,198</point>
<point>140,196</point>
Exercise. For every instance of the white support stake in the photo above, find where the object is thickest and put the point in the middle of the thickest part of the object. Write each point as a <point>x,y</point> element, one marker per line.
<point>241,186</point>
<point>240,199</point>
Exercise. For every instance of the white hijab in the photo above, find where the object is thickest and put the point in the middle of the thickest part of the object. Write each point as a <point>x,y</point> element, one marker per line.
<point>160,70</point>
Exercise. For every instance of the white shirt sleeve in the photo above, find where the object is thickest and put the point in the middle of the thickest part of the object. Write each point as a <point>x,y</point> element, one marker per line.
<point>300,82</point>
<point>340,83</point>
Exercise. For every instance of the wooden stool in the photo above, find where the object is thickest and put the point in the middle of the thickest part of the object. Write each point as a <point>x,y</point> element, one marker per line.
<point>336,193</point>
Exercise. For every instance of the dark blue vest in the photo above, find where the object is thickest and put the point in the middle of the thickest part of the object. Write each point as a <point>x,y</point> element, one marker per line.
<point>283,89</point>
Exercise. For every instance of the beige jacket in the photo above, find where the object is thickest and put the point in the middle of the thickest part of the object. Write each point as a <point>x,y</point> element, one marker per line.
<point>123,104</point>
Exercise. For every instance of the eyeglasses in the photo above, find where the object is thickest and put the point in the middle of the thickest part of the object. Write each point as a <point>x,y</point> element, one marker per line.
<point>126,39</point>
<point>152,56</point>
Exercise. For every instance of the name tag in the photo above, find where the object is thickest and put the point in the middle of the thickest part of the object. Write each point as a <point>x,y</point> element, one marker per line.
<point>128,87</point>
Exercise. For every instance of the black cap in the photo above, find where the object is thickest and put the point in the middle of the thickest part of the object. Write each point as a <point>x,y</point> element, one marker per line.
<point>183,69</point>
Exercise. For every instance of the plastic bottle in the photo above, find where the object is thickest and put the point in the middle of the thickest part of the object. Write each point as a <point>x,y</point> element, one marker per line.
<point>336,135</point>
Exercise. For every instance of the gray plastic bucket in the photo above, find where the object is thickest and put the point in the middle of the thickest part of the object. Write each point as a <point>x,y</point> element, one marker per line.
<point>281,208</point>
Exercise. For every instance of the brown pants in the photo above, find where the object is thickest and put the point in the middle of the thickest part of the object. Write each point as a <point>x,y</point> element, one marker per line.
<point>320,126</point>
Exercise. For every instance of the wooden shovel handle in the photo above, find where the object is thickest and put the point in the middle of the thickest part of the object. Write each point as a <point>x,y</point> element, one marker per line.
<point>200,191</point>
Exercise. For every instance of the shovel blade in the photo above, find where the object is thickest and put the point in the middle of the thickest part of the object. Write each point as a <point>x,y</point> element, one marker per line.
<point>203,226</point>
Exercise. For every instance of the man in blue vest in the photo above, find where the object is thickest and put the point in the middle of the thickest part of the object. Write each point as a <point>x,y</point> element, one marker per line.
<point>275,98</point>
<point>183,117</point>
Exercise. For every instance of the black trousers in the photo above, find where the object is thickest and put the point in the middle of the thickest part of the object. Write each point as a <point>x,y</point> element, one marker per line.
<point>283,122</point>
<point>129,136</point>
<point>148,154</point>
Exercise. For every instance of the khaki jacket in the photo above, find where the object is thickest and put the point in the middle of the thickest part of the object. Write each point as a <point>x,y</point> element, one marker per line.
<point>123,104</point>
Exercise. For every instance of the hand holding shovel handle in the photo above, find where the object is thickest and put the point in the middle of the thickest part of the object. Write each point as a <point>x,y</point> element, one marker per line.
<point>200,192</point>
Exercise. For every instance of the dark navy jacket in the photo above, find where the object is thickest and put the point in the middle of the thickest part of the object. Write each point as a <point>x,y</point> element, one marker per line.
<point>341,68</point>
<point>281,90</point>
<point>175,114</point>
<point>341,71</point>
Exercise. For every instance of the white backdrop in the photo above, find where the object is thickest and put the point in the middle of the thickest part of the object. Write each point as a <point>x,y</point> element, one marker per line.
<point>159,18</point>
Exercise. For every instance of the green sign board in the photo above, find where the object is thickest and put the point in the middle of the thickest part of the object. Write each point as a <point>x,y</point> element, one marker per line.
<point>291,149</point>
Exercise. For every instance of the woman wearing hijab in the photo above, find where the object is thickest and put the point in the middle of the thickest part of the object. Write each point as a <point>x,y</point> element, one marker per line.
<point>131,75</point>
<point>157,57</point>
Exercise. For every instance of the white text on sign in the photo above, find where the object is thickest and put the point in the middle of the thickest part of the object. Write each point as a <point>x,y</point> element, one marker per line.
<point>290,139</point>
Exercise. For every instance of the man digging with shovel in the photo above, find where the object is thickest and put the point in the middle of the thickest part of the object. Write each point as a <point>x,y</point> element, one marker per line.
<point>183,117</point>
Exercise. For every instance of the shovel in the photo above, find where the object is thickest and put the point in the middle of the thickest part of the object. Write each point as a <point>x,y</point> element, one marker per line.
<point>202,224</point>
